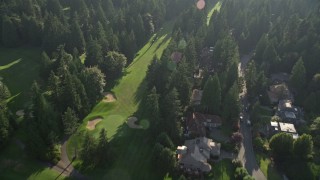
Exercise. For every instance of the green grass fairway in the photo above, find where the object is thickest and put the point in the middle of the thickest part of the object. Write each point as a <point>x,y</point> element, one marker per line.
<point>19,67</point>
<point>215,8</point>
<point>132,154</point>
<point>266,167</point>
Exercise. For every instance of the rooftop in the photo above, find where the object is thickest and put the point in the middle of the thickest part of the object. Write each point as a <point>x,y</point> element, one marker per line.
<point>287,127</point>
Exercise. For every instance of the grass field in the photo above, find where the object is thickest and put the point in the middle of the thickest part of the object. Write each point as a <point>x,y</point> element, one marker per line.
<point>215,8</point>
<point>133,155</point>
<point>266,167</point>
<point>222,170</point>
<point>19,67</point>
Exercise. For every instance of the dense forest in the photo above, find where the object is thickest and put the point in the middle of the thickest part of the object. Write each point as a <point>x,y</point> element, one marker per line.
<point>87,45</point>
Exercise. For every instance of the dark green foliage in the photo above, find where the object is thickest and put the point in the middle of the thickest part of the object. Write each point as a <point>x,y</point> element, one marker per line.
<point>164,159</point>
<point>211,98</point>
<point>42,123</point>
<point>10,37</point>
<point>4,92</point>
<point>94,54</point>
<point>303,147</point>
<point>4,127</point>
<point>76,38</point>
<point>113,65</point>
<point>231,104</point>
<point>54,34</point>
<point>241,173</point>
<point>182,82</point>
<point>102,148</point>
<point>153,109</point>
<point>87,152</point>
<point>282,146</point>
<point>70,122</point>
<point>165,140</point>
<point>171,112</point>
<point>94,82</point>
<point>298,76</point>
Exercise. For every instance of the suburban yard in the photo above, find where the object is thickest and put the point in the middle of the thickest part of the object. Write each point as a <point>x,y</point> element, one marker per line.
<point>267,167</point>
<point>132,153</point>
<point>223,170</point>
<point>19,67</point>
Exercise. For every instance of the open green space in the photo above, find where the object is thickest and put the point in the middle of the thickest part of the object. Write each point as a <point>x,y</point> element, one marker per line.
<point>19,67</point>
<point>266,167</point>
<point>132,153</point>
<point>216,7</point>
<point>223,170</point>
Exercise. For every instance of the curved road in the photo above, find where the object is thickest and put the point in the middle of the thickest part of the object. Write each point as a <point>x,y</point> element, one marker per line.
<point>246,154</point>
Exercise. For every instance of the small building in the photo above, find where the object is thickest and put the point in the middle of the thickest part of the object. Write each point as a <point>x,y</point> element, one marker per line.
<point>288,112</point>
<point>198,123</point>
<point>194,155</point>
<point>196,97</point>
<point>278,127</point>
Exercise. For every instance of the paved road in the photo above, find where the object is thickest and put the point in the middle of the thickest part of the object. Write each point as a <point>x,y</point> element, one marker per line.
<point>246,153</point>
<point>65,163</point>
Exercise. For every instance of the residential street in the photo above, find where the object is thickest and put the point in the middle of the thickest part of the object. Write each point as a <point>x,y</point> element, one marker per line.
<point>246,153</point>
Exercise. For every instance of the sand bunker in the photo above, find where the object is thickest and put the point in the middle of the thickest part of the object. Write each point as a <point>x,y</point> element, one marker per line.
<point>20,113</point>
<point>131,123</point>
<point>92,124</point>
<point>109,97</point>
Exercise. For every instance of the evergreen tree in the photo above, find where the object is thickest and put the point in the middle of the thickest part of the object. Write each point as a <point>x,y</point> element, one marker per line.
<point>94,82</point>
<point>231,105</point>
<point>102,148</point>
<point>4,127</point>
<point>113,65</point>
<point>70,121</point>
<point>281,145</point>
<point>153,110</point>
<point>298,76</point>
<point>76,38</point>
<point>211,98</point>
<point>171,111</point>
<point>94,54</point>
<point>303,147</point>
<point>88,150</point>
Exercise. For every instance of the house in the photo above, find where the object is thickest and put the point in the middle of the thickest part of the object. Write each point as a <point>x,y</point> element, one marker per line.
<point>289,113</point>
<point>278,127</point>
<point>197,123</point>
<point>194,155</point>
<point>196,97</point>
<point>279,92</point>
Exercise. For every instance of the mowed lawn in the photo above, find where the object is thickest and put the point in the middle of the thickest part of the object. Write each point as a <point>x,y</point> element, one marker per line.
<point>222,170</point>
<point>132,154</point>
<point>19,67</point>
<point>266,167</point>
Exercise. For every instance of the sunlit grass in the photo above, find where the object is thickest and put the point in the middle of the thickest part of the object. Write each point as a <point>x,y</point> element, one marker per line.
<point>215,8</point>
<point>10,64</point>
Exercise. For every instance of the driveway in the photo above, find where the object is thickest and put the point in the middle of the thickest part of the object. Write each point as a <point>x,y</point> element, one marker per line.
<point>246,154</point>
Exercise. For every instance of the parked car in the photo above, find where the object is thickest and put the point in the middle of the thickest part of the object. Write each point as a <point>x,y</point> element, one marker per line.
<point>248,122</point>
